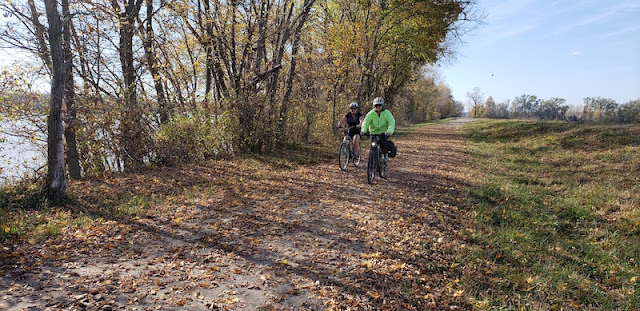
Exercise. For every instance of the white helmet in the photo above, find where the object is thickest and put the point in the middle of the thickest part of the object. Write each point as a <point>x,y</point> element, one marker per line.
<point>353,105</point>
<point>378,101</point>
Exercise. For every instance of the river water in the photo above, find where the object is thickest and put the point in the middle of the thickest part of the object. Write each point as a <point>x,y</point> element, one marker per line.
<point>20,155</point>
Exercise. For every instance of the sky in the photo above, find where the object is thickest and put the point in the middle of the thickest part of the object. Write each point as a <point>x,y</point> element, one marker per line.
<point>569,49</point>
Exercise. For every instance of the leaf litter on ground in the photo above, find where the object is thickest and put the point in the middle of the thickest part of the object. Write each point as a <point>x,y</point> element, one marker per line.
<point>243,235</point>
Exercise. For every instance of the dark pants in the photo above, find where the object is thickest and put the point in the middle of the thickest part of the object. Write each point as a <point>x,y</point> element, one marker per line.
<point>383,143</point>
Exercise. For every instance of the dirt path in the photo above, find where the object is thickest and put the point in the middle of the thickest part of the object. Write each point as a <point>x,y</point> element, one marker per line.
<point>244,236</point>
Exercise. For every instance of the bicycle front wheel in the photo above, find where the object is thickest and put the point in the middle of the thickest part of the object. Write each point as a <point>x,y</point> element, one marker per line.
<point>371,166</point>
<point>356,160</point>
<point>382,166</point>
<point>343,156</point>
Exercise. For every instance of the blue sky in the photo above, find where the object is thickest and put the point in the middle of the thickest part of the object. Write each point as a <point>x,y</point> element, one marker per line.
<point>567,49</point>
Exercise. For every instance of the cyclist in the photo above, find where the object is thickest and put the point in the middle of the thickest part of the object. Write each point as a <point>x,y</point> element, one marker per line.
<point>380,120</point>
<point>354,119</point>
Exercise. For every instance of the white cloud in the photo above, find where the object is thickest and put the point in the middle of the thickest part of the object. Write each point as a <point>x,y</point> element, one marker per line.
<point>575,53</point>
<point>604,15</point>
<point>619,32</point>
<point>513,32</point>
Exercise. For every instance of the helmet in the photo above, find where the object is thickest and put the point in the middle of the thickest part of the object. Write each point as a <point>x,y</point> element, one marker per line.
<point>353,105</point>
<point>378,101</point>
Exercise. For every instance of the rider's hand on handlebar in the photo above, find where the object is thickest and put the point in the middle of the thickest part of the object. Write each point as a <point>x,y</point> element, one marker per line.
<point>388,134</point>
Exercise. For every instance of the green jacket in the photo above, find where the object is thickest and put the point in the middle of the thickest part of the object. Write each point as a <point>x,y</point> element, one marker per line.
<point>379,124</point>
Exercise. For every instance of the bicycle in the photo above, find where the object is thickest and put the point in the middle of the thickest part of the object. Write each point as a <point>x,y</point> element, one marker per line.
<point>376,161</point>
<point>346,151</point>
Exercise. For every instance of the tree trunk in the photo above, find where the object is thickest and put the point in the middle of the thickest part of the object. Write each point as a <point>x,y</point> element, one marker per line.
<point>152,63</point>
<point>40,33</point>
<point>302,18</point>
<point>131,130</point>
<point>56,185</point>
<point>73,160</point>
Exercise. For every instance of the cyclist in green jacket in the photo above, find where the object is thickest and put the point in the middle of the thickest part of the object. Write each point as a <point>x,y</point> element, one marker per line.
<point>379,120</point>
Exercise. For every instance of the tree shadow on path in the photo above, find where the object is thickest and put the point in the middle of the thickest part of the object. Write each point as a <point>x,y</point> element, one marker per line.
<point>241,235</point>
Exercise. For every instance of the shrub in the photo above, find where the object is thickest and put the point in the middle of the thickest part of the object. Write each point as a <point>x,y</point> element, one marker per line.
<point>189,138</point>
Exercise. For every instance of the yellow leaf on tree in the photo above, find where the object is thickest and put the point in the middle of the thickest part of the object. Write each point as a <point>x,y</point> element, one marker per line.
<point>374,295</point>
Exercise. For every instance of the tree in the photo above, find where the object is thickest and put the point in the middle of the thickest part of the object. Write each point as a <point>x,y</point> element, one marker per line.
<point>525,106</point>
<point>476,97</point>
<point>600,109</point>
<point>251,57</point>
<point>447,106</point>
<point>552,109</point>
<point>56,185</point>
<point>379,45</point>
<point>148,39</point>
<point>502,110</point>
<point>131,131</point>
<point>630,111</point>
<point>73,159</point>
<point>301,19</point>
<point>491,108</point>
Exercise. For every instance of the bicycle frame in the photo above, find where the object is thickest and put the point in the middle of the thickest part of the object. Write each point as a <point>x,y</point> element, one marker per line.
<point>376,159</point>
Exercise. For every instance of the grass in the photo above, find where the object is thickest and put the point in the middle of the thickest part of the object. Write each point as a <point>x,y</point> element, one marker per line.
<point>556,216</point>
<point>25,214</point>
<point>410,128</point>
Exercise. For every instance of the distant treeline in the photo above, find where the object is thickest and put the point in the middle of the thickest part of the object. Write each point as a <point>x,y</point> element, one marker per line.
<point>595,109</point>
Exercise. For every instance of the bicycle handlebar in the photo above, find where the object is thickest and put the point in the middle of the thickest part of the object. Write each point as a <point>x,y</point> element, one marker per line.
<point>350,127</point>
<point>369,134</point>
<point>347,129</point>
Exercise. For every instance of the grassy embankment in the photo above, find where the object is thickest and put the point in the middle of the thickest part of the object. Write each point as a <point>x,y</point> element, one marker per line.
<point>557,216</point>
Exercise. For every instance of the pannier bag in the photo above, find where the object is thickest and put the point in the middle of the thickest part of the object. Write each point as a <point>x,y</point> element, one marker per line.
<point>391,149</point>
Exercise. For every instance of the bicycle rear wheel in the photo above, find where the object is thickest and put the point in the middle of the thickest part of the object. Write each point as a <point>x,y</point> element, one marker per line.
<point>371,166</point>
<point>343,156</point>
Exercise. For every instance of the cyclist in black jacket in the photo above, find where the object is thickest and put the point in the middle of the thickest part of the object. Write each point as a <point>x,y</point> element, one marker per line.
<point>353,118</point>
